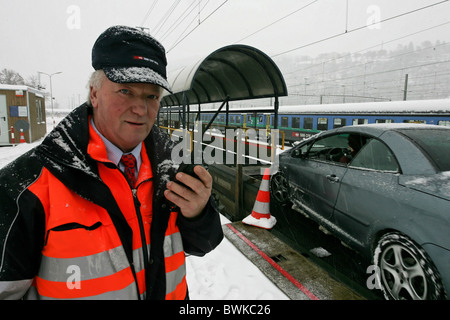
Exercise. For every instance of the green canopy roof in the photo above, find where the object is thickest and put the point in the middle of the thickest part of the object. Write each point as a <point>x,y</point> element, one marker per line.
<point>238,72</point>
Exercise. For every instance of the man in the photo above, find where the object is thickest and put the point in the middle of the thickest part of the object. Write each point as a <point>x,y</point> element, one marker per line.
<point>97,211</point>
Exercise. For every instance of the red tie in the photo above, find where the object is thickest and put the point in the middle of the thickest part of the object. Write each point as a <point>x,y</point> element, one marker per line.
<point>130,163</point>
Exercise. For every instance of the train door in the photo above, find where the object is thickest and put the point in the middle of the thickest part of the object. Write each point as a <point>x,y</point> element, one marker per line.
<point>252,119</point>
<point>267,121</point>
<point>244,120</point>
<point>4,134</point>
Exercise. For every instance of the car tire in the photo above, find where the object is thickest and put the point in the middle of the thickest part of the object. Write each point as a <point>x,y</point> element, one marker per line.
<point>406,272</point>
<point>279,189</point>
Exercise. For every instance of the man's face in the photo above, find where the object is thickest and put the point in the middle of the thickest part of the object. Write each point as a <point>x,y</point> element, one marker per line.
<point>125,113</point>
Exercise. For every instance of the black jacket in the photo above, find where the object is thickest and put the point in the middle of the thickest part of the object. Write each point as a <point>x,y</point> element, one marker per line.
<point>64,153</point>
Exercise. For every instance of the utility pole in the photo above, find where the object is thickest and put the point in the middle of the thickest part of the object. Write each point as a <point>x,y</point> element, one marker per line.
<point>51,92</point>
<point>405,90</point>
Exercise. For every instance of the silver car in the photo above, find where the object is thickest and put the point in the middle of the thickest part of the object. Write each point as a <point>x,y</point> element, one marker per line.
<point>384,190</point>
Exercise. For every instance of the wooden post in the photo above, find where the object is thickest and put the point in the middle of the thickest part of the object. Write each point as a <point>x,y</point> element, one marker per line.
<point>238,192</point>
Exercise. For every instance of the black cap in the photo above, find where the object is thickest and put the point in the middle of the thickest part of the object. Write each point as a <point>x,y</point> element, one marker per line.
<point>129,55</point>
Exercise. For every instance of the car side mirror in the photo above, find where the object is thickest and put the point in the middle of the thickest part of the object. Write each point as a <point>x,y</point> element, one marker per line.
<point>297,153</point>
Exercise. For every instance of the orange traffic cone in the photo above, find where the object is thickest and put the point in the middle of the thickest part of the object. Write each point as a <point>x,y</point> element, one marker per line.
<point>261,216</point>
<point>22,138</point>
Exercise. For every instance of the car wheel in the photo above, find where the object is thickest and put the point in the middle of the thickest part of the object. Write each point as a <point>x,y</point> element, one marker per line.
<point>406,271</point>
<point>279,188</point>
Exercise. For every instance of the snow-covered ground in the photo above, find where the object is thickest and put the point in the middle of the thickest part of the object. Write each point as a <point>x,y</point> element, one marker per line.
<point>226,274</point>
<point>223,274</point>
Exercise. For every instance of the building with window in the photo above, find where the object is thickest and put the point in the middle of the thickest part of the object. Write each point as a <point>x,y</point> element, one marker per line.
<point>21,108</point>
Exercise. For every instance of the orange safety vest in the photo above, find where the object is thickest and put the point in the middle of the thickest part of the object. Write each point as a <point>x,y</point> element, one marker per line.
<point>83,257</point>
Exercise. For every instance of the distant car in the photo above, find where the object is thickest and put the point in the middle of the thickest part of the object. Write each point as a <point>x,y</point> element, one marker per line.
<point>384,190</point>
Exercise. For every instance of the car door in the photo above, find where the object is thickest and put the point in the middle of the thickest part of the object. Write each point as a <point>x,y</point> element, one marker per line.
<point>368,191</point>
<point>315,176</point>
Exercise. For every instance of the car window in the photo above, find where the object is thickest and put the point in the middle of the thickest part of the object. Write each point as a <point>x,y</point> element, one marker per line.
<point>434,142</point>
<point>330,148</point>
<point>375,155</point>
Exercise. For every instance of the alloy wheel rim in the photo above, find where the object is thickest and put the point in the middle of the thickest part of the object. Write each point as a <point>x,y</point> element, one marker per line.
<point>402,274</point>
<point>280,192</point>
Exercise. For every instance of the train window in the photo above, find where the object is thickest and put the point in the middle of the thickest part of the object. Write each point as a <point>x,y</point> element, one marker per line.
<point>384,121</point>
<point>322,123</point>
<point>444,123</point>
<point>296,122</point>
<point>339,122</point>
<point>232,119</point>
<point>307,123</point>
<point>414,121</point>
<point>360,121</point>
<point>238,119</point>
<point>284,121</point>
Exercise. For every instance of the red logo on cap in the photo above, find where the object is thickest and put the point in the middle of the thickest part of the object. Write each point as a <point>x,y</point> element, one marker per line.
<point>145,59</point>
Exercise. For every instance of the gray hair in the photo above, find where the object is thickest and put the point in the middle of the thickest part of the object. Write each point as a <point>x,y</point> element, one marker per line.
<point>95,81</point>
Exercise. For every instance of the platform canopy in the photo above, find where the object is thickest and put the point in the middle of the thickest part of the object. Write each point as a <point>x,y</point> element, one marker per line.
<point>235,72</point>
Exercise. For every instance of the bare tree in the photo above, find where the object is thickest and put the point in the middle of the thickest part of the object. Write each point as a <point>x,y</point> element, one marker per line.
<point>33,82</point>
<point>8,76</point>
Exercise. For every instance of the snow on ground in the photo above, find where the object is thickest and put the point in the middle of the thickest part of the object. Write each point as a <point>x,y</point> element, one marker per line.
<point>226,274</point>
<point>223,274</point>
<point>8,154</point>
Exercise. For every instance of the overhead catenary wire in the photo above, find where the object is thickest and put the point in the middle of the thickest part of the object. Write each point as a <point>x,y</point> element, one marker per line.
<point>215,10</point>
<point>182,34</point>
<point>186,13</point>
<point>427,78</point>
<point>356,66</point>
<point>166,16</point>
<point>278,20</point>
<point>376,73</point>
<point>357,29</point>
<point>381,72</point>
<point>149,11</point>
<point>187,32</point>
<point>369,48</point>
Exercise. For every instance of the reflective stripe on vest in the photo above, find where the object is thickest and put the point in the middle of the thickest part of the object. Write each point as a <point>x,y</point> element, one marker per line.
<point>174,258</point>
<point>122,294</point>
<point>85,277</point>
<point>83,257</point>
<point>66,273</point>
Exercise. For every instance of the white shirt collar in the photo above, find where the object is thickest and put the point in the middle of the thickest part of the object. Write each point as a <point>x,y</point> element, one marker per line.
<point>114,153</point>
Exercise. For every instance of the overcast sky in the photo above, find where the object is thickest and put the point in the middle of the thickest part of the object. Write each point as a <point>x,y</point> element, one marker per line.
<point>57,35</point>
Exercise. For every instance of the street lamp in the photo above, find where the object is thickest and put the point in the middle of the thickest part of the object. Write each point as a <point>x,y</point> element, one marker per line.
<point>51,92</point>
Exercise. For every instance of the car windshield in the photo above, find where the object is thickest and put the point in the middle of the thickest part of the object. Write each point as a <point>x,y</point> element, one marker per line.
<point>435,142</point>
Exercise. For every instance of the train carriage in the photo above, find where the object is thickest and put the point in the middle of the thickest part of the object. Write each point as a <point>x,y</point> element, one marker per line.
<point>299,122</point>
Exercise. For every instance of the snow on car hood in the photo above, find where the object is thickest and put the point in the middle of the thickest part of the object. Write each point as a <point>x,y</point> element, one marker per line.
<point>437,184</point>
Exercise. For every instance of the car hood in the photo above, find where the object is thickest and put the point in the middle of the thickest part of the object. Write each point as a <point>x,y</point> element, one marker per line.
<point>437,184</point>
